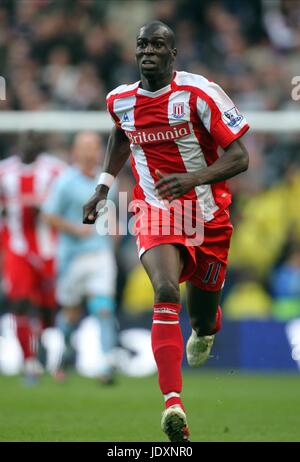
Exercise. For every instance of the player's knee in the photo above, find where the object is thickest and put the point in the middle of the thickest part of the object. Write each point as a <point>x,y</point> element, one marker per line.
<point>166,291</point>
<point>71,314</point>
<point>104,313</point>
<point>21,307</point>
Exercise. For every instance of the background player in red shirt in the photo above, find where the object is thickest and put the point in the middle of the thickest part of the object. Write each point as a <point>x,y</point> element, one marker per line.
<point>173,123</point>
<point>28,244</point>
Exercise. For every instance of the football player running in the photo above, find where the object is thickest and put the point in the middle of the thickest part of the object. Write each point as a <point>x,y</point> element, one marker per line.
<point>173,123</point>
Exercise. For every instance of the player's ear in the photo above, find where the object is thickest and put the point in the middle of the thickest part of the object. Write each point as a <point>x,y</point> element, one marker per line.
<point>174,52</point>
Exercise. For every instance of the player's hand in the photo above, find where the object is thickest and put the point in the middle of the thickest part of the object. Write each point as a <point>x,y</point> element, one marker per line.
<point>92,207</point>
<point>172,186</point>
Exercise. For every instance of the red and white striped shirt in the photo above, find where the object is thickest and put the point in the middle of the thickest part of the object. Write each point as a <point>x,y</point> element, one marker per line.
<point>177,129</point>
<point>23,188</point>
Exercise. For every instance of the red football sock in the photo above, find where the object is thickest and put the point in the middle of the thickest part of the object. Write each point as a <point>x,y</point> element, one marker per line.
<point>218,322</point>
<point>167,346</point>
<point>26,336</point>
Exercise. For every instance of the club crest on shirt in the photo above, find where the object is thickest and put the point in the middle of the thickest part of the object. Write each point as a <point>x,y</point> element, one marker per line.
<point>178,110</point>
<point>232,117</point>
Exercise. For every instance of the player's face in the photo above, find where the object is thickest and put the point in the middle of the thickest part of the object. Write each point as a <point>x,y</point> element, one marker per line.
<point>154,54</point>
<point>87,152</point>
<point>31,145</point>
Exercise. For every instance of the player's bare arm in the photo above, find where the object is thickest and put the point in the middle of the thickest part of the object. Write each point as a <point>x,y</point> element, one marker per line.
<point>118,151</point>
<point>64,226</point>
<point>234,162</point>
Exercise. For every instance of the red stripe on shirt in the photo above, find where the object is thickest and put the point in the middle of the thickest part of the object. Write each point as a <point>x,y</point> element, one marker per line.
<point>208,146</point>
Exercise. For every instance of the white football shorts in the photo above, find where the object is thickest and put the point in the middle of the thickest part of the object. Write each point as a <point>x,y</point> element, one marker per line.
<point>88,275</point>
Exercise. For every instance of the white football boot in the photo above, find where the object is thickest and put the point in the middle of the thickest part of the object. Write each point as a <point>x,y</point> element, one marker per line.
<point>198,349</point>
<point>174,424</point>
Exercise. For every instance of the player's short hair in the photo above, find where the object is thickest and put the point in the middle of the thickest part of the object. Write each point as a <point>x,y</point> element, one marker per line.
<point>155,24</point>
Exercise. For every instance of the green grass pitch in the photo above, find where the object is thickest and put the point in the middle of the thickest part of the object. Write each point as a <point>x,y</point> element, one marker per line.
<point>221,406</point>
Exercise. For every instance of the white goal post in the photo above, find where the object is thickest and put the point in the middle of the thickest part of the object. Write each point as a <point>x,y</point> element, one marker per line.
<point>74,121</point>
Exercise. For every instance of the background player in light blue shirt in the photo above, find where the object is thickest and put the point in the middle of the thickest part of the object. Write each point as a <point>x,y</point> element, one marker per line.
<point>85,260</point>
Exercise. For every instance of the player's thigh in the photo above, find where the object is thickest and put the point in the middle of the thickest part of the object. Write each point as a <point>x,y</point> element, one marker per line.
<point>163,263</point>
<point>18,277</point>
<point>99,282</point>
<point>204,288</point>
<point>101,274</point>
<point>212,254</point>
<point>70,284</point>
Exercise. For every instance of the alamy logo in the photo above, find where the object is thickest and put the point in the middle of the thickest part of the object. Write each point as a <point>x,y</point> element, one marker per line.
<point>178,218</point>
<point>232,117</point>
<point>2,89</point>
<point>296,90</point>
<point>159,134</point>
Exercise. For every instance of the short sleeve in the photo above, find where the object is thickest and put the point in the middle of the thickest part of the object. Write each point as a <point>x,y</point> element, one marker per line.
<point>220,116</point>
<point>110,104</point>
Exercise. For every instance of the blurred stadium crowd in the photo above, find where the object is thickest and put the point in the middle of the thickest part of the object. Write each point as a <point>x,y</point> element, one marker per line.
<point>68,54</point>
